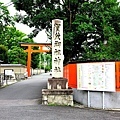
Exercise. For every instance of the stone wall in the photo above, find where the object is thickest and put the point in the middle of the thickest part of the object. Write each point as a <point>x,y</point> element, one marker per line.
<point>111,100</point>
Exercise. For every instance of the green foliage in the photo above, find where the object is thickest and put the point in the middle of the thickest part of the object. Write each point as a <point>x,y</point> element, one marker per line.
<point>17,55</point>
<point>42,66</point>
<point>3,54</point>
<point>10,38</point>
<point>87,25</point>
<point>5,18</point>
<point>47,68</point>
<point>35,60</point>
<point>45,61</point>
<point>48,59</point>
<point>108,51</point>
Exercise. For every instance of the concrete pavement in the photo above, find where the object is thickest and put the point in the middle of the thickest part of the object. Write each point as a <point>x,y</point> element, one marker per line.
<point>21,101</point>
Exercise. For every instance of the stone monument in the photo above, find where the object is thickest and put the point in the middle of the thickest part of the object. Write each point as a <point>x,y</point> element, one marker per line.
<point>57,92</point>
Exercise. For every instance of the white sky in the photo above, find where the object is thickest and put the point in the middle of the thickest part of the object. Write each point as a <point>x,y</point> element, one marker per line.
<point>40,38</point>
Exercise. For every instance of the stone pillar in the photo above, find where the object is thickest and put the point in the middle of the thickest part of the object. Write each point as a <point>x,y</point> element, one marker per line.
<point>57,92</point>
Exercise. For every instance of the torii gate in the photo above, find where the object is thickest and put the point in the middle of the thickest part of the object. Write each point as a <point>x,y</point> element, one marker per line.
<point>30,50</point>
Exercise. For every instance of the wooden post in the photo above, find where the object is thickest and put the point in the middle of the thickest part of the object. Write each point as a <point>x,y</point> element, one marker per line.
<point>29,61</point>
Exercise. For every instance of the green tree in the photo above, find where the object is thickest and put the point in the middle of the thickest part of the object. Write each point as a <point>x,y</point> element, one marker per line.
<point>16,55</point>
<point>12,37</point>
<point>108,51</point>
<point>35,59</point>
<point>85,22</point>
<point>45,59</point>
<point>48,59</point>
<point>5,19</point>
<point>3,54</point>
<point>110,23</point>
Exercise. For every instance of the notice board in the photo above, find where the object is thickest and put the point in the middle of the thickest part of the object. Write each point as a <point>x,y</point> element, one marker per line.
<point>99,76</point>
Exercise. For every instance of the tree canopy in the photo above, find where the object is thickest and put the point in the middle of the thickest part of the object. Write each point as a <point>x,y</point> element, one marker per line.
<point>5,18</point>
<point>10,38</point>
<point>16,55</point>
<point>87,24</point>
<point>3,54</point>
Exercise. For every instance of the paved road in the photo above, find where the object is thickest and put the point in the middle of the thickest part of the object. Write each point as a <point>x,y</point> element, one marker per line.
<point>25,91</point>
<point>20,101</point>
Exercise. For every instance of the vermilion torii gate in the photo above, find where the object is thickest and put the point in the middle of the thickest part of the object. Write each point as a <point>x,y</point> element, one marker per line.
<point>30,51</point>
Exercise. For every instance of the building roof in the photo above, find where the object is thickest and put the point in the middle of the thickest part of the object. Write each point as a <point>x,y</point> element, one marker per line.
<point>13,65</point>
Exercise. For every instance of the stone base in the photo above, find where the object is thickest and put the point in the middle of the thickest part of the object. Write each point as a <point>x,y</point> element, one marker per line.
<point>57,83</point>
<point>57,97</point>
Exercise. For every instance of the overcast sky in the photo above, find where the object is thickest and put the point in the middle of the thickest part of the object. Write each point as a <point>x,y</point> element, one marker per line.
<point>40,38</point>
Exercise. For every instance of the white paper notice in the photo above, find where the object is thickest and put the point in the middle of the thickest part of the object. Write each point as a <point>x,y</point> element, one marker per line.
<point>98,76</point>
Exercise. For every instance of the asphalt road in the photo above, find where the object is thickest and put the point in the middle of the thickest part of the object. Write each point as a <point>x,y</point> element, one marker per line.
<point>21,101</point>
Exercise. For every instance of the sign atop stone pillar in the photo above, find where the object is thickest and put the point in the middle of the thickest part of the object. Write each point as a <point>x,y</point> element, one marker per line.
<point>57,48</point>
